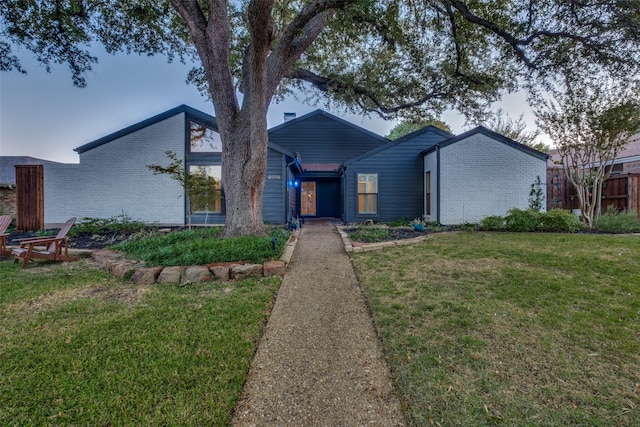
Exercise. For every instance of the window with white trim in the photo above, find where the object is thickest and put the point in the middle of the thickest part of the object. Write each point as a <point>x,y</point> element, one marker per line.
<point>367,193</point>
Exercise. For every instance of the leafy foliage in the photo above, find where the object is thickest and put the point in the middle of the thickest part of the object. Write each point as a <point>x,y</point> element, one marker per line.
<point>537,195</point>
<point>516,130</point>
<point>492,223</point>
<point>590,129</point>
<point>405,127</point>
<point>522,220</point>
<point>560,220</point>
<point>614,221</point>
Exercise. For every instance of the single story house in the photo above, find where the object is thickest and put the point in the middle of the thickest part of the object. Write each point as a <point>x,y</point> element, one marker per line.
<point>318,165</point>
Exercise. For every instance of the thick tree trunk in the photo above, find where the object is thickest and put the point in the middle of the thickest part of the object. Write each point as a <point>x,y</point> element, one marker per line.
<point>244,165</point>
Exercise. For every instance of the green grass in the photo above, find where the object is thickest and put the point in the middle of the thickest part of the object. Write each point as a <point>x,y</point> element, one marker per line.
<point>80,347</point>
<point>511,329</point>
<point>203,246</point>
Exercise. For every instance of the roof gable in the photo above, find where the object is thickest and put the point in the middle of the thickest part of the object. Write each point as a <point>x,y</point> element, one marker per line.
<point>192,113</point>
<point>321,114</point>
<point>493,135</point>
<point>430,129</point>
<point>322,138</point>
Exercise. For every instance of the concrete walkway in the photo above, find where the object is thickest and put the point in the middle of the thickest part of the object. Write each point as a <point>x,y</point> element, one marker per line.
<point>319,361</point>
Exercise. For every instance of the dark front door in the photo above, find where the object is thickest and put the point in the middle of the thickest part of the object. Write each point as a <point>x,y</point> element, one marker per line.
<point>320,198</point>
<point>329,199</point>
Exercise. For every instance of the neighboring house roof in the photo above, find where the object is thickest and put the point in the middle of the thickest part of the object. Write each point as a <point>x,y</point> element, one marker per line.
<point>191,112</point>
<point>8,170</point>
<point>491,134</point>
<point>412,135</point>
<point>631,153</point>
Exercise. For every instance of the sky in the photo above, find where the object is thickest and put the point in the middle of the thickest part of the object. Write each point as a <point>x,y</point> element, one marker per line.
<point>43,115</point>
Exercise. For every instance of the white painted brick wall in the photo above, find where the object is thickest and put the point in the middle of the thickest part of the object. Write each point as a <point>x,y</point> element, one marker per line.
<point>481,176</point>
<point>113,179</point>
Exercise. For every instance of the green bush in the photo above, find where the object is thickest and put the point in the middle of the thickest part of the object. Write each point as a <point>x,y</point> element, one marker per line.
<point>560,220</point>
<point>613,221</point>
<point>121,223</point>
<point>520,220</point>
<point>492,223</point>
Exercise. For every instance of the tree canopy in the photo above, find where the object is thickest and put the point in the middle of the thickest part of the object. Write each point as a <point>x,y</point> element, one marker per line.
<point>393,58</point>
<point>406,127</point>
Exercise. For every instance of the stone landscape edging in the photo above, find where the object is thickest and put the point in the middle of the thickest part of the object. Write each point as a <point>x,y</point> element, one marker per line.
<point>135,270</point>
<point>355,247</point>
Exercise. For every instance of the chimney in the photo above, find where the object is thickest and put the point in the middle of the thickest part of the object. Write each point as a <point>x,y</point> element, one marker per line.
<point>289,116</point>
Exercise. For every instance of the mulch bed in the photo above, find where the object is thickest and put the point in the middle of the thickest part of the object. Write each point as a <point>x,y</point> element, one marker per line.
<point>81,241</point>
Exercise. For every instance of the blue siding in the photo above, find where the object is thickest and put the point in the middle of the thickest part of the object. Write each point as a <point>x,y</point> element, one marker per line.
<point>322,138</point>
<point>274,204</point>
<point>400,182</point>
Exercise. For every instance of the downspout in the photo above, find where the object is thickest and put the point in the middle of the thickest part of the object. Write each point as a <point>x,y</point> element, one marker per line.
<point>438,182</point>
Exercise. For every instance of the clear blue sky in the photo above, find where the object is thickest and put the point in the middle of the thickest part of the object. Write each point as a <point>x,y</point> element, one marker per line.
<point>43,115</point>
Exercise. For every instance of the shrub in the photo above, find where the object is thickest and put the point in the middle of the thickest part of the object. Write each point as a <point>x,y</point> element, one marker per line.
<point>613,221</point>
<point>560,220</point>
<point>522,220</point>
<point>120,223</point>
<point>492,223</point>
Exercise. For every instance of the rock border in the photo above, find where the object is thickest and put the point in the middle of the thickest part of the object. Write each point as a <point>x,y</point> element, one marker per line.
<point>355,247</point>
<point>135,270</point>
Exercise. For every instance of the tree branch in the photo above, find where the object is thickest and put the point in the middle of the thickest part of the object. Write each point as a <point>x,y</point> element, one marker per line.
<point>364,97</point>
<point>297,37</point>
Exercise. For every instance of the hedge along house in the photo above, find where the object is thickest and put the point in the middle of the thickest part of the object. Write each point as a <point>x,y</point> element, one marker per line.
<point>318,165</point>
<point>477,174</point>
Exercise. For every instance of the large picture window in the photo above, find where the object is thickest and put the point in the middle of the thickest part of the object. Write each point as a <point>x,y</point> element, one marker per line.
<point>206,193</point>
<point>367,193</point>
<point>203,140</point>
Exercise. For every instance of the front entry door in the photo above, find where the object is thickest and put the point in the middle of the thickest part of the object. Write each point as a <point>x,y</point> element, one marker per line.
<point>308,198</point>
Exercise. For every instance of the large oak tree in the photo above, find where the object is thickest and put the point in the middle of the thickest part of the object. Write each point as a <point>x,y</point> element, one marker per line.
<point>409,58</point>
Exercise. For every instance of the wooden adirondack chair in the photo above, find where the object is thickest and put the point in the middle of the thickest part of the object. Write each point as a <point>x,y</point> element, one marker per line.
<point>54,248</point>
<point>5,220</point>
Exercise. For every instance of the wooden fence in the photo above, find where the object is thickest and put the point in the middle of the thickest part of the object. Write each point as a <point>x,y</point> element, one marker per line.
<point>29,197</point>
<point>620,191</point>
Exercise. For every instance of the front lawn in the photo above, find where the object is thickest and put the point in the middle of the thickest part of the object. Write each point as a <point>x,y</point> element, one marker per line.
<point>511,329</point>
<point>80,347</point>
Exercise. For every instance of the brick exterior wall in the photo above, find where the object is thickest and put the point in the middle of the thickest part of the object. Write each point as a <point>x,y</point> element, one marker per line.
<point>113,179</point>
<point>480,176</point>
<point>8,201</point>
